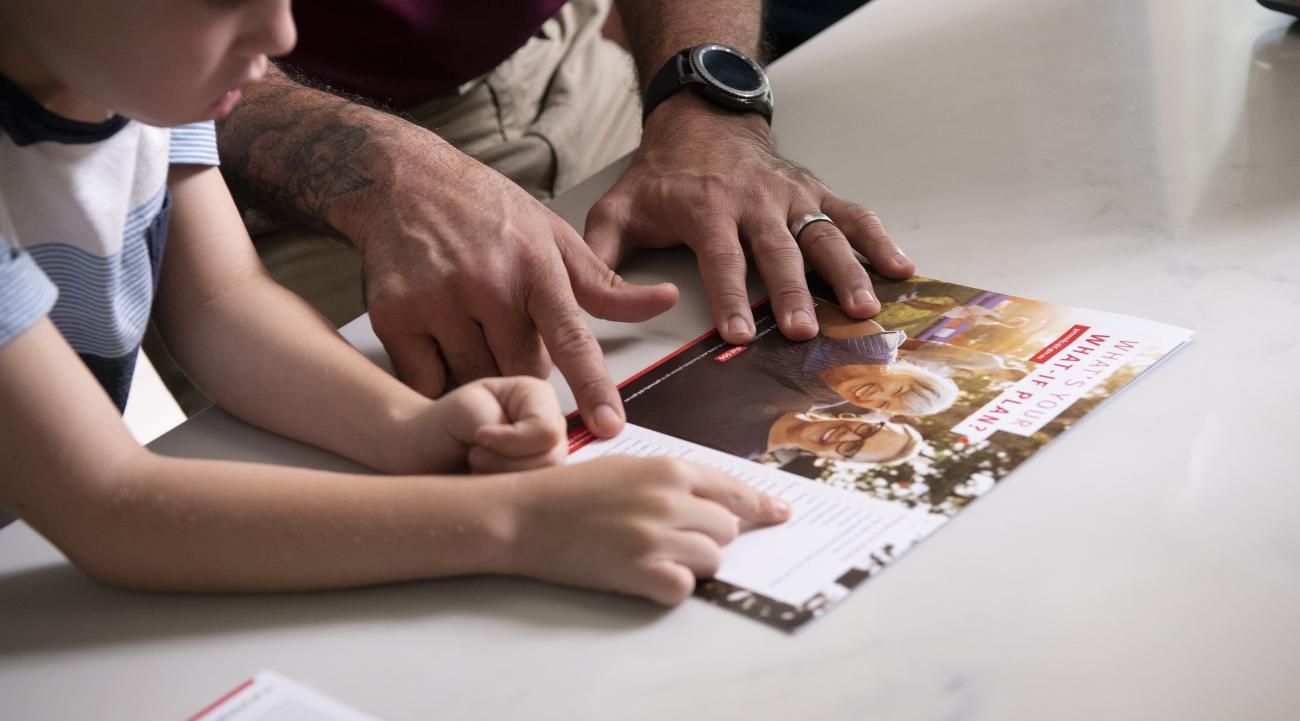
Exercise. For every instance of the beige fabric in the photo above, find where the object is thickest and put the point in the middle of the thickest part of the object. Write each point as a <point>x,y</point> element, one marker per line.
<point>561,108</point>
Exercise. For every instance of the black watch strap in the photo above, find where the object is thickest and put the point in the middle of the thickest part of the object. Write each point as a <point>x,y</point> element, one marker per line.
<point>679,73</point>
<point>666,83</point>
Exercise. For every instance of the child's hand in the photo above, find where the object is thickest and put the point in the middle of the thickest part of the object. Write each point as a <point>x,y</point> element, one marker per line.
<point>488,426</point>
<point>641,526</point>
<point>505,424</point>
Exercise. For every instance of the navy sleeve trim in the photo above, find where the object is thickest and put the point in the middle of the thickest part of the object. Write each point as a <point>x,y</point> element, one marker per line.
<point>27,121</point>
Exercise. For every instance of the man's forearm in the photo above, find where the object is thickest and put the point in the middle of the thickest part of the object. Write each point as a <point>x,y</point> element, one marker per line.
<point>657,29</point>
<point>215,303</point>
<point>316,157</point>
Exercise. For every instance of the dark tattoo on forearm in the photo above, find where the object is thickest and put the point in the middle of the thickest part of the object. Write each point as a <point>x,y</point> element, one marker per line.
<point>326,165</point>
<point>297,166</point>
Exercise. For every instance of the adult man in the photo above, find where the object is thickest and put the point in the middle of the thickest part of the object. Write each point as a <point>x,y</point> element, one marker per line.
<point>847,438</point>
<point>466,274</point>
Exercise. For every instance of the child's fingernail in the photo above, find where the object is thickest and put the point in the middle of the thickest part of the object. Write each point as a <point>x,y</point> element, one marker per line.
<point>781,509</point>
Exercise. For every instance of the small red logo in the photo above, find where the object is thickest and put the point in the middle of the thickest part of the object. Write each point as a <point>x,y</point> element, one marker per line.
<point>729,353</point>
<point>1059,344</point>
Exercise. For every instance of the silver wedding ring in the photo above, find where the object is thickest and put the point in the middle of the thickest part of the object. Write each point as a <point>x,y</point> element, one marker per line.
<point>806,220</point>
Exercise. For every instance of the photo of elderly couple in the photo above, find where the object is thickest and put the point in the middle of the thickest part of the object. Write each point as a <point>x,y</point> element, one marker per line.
<point>881,406</point>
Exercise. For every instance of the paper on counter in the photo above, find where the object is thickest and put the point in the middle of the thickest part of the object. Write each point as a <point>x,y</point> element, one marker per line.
<point>830,531</point>
<point>268,696</point>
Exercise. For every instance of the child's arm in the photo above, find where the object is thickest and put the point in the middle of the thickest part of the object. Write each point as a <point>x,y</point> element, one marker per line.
<point>130,517</point>
<point>266,356</point>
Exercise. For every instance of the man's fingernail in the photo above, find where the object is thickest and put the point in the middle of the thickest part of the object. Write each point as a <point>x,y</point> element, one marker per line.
<point>862,297</point>
<point>781,509</point>
<point>738,325</point>
<point>802,317</point>
<point>606,417</point>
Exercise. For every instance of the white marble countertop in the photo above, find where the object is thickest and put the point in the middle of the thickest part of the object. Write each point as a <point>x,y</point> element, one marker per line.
<point>1136,156</point>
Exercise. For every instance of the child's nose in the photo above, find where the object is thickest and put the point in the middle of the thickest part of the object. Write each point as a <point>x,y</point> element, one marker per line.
<point>280,32</point>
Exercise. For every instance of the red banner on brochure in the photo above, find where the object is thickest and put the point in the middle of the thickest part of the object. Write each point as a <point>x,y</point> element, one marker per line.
<point>1058,345</point>
<point>728,354</point>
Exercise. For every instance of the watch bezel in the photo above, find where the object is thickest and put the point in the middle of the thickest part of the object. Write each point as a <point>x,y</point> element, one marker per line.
<point>696,60</point>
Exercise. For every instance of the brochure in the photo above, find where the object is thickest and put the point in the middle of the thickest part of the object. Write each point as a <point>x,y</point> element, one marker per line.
<point>876,432</point>
<point>268,696</point>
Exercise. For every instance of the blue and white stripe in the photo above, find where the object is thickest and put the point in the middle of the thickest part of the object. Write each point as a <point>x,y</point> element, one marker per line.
<point>83,227</point>
<point>105,300</point>
<point>194,144</point>
<point>25,293</point>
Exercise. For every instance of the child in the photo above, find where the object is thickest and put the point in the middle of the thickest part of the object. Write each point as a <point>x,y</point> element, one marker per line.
<point>89,203</point>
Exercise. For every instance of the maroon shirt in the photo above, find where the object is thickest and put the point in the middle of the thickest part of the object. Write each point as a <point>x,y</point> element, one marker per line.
<point>403,52</point>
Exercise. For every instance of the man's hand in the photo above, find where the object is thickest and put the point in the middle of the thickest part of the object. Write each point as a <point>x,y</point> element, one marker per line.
<point>711,179</point>
<point>468,276</point>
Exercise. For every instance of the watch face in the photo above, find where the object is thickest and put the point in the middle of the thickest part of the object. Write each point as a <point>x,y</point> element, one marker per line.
<point>731,70</point>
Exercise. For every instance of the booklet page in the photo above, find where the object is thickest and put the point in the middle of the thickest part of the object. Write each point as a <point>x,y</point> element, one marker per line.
<point>268,696</point>
<point>830,532</point>
<point>877,431</point>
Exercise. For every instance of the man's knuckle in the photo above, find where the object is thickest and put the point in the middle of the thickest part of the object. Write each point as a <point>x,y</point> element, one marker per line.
<point>724,255</point>
<point>571,332</point>
<point>609,210</point>
<point>713,195</point>
<point>790,296</point>
<point>593,387</point>
<point>770,233</point>
<point>862,216</point>
<point>713,186</point>
<point>778,251</point>
<point>815,239</point>
<point>731,300</point>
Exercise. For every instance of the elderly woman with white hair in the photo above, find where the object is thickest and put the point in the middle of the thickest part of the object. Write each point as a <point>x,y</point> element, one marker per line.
<point>855,363</point>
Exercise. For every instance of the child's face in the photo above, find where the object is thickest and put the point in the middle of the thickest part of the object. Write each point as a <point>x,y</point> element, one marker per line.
<point>162,62</point>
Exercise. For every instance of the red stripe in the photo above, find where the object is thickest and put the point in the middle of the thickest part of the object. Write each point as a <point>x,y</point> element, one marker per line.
<point>681,350</point>
<point>667,358</point>
<point>580,437</point>
<point>221,700</point>
<point>1059,344</point>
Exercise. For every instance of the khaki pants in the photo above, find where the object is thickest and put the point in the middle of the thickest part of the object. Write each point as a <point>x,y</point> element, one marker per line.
<point>564,106</point>
<point>559,109</point>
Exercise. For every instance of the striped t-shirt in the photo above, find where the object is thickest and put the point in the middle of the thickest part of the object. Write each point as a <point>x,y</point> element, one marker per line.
<point>83,220</point>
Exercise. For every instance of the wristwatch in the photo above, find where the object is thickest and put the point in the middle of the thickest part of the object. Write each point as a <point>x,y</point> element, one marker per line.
<point>718,73</point>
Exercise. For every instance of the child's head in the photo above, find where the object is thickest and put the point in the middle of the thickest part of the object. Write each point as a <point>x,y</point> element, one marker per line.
<point>162,62</point>
<point>898,388</point>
